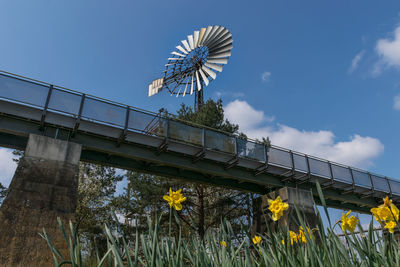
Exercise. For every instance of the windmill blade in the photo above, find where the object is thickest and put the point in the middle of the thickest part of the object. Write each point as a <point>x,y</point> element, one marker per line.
<point>218,60</point>
<point>180,48</point>
<point>156,86</point>
<point>202,31</point>
<point>204,77</point>
<point>198,81</point>
<point>218,36</point>
<point>214,35</point>
<point>209,72</point>
<point>178,92</point>
<point>178,54</point>
<point>191,87</point>
<point>171,64</point>
<point>186,45</point>
<point>220,55</point>
<point>223,43</point>
<point>222,49</point>
<point>187,83</point>
<point>182,81</point>
<point>220,42</point>
<point>175,58</point>
<point>190,38</point>
<point>195,38</point>
<point>213,66</point>
<point>222,37</point>
<point>212,31</point>
<point>206,34</point>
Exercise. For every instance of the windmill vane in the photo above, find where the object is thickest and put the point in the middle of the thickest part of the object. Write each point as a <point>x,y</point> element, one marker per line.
<point>194,63</point>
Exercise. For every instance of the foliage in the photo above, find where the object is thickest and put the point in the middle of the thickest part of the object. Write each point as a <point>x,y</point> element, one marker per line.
<point>3,192</point>
<point>321,247</point>
<point>206,206</point>
<point>96,189</point>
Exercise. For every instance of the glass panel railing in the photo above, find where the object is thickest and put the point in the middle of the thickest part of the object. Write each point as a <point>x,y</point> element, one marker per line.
<point>251,150</point>
<point>362,179</point>
<point>341,173</point>
<point>380,183</point>
<point>104,112</point>
<point>300,162</point>
<point>23,91</point>
<point>395,186</point>
<point>279,157</point>
<point>220,142</point>
<point>319,167</point>
<point>185,133</point>
<point>65,102</point>
<point>146,123</point>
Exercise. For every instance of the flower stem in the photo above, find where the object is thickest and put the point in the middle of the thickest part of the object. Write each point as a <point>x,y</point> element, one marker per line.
<point>170,220</point>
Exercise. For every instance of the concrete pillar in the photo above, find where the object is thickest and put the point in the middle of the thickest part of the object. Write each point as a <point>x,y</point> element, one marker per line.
<point>302,199</point>
<point>43,188</point>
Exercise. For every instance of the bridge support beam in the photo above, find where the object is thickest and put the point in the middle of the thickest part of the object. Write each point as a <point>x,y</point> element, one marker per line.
<point>43,188</point>
<point>296,198</point>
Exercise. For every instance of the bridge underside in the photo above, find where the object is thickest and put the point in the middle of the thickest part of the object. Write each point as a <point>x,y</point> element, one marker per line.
<point>14,132</point>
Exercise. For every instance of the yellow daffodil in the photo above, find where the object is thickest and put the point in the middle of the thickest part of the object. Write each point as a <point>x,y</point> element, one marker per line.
<point>222,244</point>
<point>277,207</point>
<point>293,237</point>
<point>390,226</point>
<point>383,213</point>
<point>302,236</point>
<point>395,211</point>
<point>348,223</point>
<point>386,212</point>
<point>387,202</point>
<point>257,240</point>
<point>175,199</point>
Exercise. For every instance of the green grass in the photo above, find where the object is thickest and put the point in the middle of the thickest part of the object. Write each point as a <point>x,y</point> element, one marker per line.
<point>323,248</point>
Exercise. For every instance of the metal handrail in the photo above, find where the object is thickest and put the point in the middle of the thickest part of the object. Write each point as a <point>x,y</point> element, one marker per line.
<point>174,118</point>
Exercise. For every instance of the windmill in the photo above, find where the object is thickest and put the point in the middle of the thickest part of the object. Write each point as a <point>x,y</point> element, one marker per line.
<point>194,63</point>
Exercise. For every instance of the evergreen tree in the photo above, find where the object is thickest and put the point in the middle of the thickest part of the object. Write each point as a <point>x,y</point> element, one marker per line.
<point>206,206</point>
<point>96,189</point>
<point>3,192</point>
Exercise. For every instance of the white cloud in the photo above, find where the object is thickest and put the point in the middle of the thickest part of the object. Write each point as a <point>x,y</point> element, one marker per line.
<point>240,112</point>
<point>389,51</point>
<point>358,151</point>
<point>356,60</point>
<point>219,94</point>
<point>265,76</point>
<point>396,102</point>
<point>7,166</point>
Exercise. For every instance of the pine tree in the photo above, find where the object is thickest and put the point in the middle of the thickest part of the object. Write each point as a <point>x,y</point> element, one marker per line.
<point>206,206</point>
<point>96,189</point>
<point>3,192</point>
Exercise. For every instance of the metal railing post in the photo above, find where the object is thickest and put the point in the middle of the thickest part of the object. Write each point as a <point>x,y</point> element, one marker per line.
<point>390,188</point>
<point>125,130</point>
<point>352,178</point>
<point>46,105</point>
<point>78,119</point>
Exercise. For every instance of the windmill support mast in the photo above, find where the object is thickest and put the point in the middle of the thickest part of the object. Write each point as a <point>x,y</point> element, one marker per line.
<point>198,98</point>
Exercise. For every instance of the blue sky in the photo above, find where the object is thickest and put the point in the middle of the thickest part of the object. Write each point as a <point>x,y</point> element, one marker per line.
<point>317,76</point>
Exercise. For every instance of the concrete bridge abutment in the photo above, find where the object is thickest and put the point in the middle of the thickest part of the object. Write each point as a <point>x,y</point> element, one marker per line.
<point>299,199</point>
<point>43,188</point>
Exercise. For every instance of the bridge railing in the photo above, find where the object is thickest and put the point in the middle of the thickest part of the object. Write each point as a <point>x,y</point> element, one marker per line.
<point>299,166</point>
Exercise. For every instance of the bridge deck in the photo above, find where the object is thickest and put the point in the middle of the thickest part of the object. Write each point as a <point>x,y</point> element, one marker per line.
<point>128,137</point>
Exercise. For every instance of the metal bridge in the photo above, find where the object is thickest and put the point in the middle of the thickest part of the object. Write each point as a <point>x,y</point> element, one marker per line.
<point>130,138</point>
